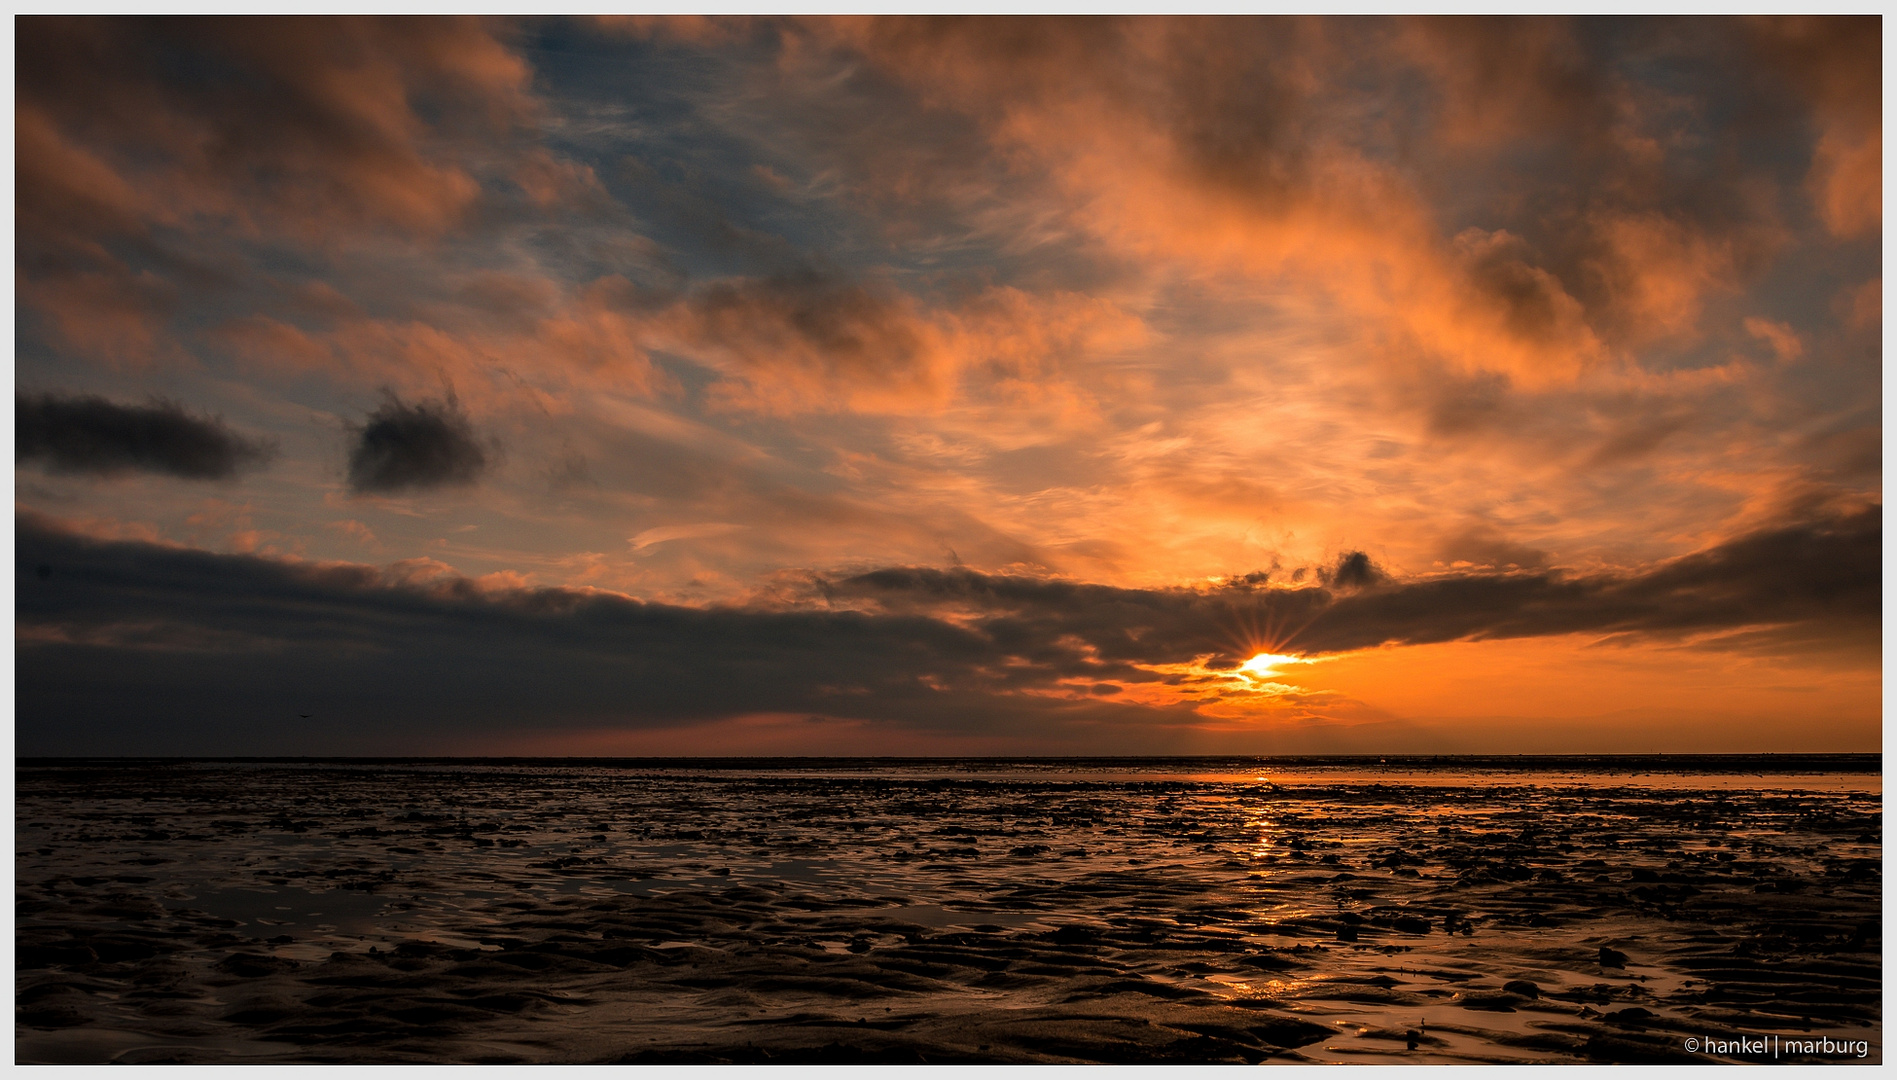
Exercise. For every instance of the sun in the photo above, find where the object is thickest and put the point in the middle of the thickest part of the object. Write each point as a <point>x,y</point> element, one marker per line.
<point>1265,665</point>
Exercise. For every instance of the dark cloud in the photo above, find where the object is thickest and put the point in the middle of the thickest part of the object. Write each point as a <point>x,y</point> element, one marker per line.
<point>145,648</point>
<point>425,445</point>
<point>1355,571</point>
<point>1485,547</point>
<point>92,435</point>
<point>1814,582</point>
<point>806,319</point>
<point>140,648</point>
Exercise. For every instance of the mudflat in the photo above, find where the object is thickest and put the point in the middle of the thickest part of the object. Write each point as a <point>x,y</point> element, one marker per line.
<point>183,911</point>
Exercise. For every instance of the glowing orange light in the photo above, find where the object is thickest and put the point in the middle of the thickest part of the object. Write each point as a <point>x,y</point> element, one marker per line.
<point>1265,665</point>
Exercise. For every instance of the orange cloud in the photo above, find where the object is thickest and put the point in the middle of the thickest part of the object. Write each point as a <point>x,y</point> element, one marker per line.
<point>1502,80</point>
<point>1847,178</point>
<point>1782,338</point>
<point>1837,63</point>
<point>64,192</point>
<point>535,344</point>
<point>334,134</point>
<point>355,530</point>
<point>1658,272</point>
<point>549,181</point>
<point>116,315</point>
<point>1210,142</point>
<point>1253,151</point>
<point>1864,305</point>
<point>808,340</point>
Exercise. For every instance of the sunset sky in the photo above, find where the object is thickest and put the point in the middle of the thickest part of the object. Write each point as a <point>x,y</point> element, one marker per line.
<point>941,387</point>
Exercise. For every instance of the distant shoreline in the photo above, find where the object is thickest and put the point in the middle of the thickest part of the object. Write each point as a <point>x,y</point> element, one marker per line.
<point>1610,763</point>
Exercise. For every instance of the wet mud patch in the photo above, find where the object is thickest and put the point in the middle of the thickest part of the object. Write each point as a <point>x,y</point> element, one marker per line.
<point>487,913</point>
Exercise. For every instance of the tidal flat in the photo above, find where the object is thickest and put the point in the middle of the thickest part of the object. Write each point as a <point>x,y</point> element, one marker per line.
<point>1124,911</point>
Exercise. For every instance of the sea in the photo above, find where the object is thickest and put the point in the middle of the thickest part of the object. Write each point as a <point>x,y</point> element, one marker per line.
<point>1547,910</point>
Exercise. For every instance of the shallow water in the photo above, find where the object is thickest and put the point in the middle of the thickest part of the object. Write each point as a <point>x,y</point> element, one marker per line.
<point>1001,911</point>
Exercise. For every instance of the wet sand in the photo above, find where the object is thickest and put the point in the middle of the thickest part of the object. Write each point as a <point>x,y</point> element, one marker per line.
<point>442,912</point>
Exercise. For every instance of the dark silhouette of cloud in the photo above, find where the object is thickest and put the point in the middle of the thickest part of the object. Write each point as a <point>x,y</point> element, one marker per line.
<point>89,434</point>
<point>143,648</point>
<point>1483,546</point>
<point>425,445</point>
<point>153,649</point>
<point>1805,583</point>
<point>1355,571</point>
